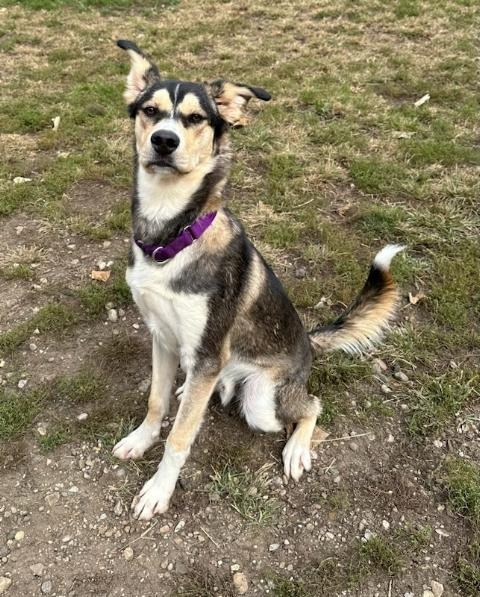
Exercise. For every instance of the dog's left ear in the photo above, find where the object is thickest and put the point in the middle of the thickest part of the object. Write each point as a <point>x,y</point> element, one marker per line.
<point>232,100</point>
<point>142,72</point>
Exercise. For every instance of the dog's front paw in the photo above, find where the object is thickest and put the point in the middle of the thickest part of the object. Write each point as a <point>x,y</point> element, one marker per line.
<point>136,443</point>
<point>153,499</point>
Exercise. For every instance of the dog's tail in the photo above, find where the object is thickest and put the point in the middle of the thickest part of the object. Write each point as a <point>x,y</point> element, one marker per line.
<point>362,325</point>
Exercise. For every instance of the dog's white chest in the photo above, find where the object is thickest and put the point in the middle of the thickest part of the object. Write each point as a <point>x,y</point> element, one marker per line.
<point>177,319</point>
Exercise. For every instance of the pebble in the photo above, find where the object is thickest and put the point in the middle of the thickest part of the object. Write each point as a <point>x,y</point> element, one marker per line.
<point>385,389</point>
<point>442,533</point>
<point>128,553</point>
<point>112,315</point>
<point>52,498</point>
<point>390,438</point>
<point>437,588</point>
<point>240,583</point>
<point>5,582</point>
<point>273,547</point>
<point>46,586</point>
<point>179,526</point>
<point>385,524</point>
<point>428,593</point>
<point>438,443</point>
<point>19,535</point>
<point>118,508</point>
<point>353,446</point>
<point>164,529</point>
<point>234,567</point>
<point>32,347</point>
<point>400,376</point>
<point>22,383</point>
<point>37,569</point>
<point>82,417</point>
<point>21,180</point>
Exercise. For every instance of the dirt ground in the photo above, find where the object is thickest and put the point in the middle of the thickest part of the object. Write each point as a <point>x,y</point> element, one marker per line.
<point>392,505</point>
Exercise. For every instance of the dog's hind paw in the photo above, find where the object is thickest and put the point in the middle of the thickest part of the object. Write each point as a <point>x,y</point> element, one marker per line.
<point>296,458</point>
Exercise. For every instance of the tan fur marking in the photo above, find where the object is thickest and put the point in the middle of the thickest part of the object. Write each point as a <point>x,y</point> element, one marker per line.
<point>161,99</point>
<point>220,234</point>
<point>191,412</point>
<point>190,105</point>
<point>256,280</point>
<point>232,102</point>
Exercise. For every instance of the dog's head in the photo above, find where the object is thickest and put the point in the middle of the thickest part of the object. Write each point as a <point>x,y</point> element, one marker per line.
<point>178,124</point>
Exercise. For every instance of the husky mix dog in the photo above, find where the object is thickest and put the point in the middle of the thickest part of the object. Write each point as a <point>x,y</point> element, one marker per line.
<point>211,302</point>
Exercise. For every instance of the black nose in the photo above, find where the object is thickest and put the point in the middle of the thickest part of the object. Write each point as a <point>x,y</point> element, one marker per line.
<point>165,142</point>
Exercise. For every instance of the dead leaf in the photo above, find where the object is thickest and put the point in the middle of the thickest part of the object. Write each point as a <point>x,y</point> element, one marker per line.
<point>415,298</point>
<point>319,435</point>
<point>56,123</point>
<point>101,276</point>
<point>422,100</point>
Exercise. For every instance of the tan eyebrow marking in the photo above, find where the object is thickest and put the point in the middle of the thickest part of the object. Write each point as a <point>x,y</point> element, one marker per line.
<point>190,104</point>
<point>162,100</point>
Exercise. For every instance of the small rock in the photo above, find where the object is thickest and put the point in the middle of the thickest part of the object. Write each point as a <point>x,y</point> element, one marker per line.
<point>400,376</point>
<point>390,438</point>
<point>240,583</point>
<point>19,535</point>
<point>5,582</point>
<point>385,389</point>
<point>234,567</point>
<point>437,588</point>
<point>22,383</point>
<point>52,498</point>
<point>428,593</point>
<point>118,508</point>
<point>128,553</point>
<point>42,429</point>
<point>112,315</point>
<point>442,533</point>
<point>385,524</point>
<point>46,586</point>
<point>21,180</point>
<point>82,417</point>
<point>164,529</point>
<point>438,443</point>
<point>106,244</point>
<point>143,386</point>
<point>273,547</point>
<point>179,526</point>
<point>300,272</point>
<point>37,569</point>
<point>32,347</point>
<point>353,446</point>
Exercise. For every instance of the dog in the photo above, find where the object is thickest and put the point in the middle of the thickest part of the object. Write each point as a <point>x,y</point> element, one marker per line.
<point>211,302</point>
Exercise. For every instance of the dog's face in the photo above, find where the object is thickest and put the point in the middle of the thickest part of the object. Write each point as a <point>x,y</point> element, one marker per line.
<point>177,123</point>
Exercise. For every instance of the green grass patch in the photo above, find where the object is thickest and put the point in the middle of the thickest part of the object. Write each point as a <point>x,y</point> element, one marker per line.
<point>434,151</point>
<point>54,438</point>
<point>246,492</point>
<point>17,411</point>
<point>438,401</point>
<point>54,318</point>
<point>95,295</point>
<point>461,482</point>
<point>467,570</point>
<point>19,271</point>
<point>380,177</point>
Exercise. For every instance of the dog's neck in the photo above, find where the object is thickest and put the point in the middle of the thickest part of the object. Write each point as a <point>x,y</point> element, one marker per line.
<point>165,203</point>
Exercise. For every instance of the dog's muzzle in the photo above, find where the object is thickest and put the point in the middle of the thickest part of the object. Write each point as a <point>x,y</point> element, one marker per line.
<point>164,142</point>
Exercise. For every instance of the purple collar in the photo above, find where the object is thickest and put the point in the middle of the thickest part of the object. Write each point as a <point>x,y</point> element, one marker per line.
<point>160,253</point>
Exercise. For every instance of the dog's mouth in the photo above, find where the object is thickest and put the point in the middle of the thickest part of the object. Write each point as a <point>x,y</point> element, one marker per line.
<point>161,163</point>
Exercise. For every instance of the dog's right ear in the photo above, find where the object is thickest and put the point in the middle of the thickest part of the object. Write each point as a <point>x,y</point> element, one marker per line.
<point>142,72</point>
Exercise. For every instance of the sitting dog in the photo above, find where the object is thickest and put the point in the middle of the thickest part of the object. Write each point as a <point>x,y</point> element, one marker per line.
<point>210,300</point>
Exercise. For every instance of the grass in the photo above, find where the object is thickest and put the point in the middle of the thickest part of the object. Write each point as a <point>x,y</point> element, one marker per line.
<point>53,318</point>
<point>246,492</point>
<point>461,482</point>
<point>18,271</point>
<point>467,570</point>
<point>439,400</point>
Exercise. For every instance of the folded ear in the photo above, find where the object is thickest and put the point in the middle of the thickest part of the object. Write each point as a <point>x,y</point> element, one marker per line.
<point>142,72</point>
<point>232,100</point>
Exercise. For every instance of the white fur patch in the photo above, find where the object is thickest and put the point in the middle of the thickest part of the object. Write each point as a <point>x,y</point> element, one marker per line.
<point>384,257</point>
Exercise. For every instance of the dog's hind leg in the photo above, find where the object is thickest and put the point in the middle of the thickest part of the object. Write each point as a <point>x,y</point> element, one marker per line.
<point>164,367</point>
<point>295,405</point>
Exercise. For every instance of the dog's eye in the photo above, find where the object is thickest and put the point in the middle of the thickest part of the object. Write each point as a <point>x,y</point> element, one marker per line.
<point>195,118</point>
<point>150,110</point>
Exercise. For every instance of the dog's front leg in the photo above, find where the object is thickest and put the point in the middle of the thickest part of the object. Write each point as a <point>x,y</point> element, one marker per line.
<point>156,493</point>
<point>164,368</point>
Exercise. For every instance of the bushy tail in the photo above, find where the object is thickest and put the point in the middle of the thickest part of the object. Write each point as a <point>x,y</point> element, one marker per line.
<point>362,325</point>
